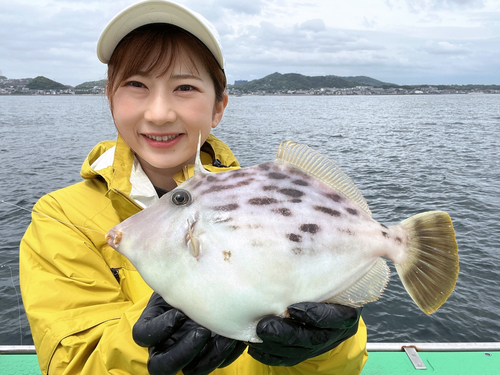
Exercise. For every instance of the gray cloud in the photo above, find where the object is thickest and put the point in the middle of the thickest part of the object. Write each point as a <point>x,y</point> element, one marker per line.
<point>57,39</point>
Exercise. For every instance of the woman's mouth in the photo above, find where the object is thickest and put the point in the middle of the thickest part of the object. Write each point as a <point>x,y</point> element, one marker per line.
<point>162,138</point>
<point>162,141</point>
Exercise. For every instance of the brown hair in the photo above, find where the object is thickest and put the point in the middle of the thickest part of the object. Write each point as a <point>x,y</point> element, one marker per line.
<point>156,46</point>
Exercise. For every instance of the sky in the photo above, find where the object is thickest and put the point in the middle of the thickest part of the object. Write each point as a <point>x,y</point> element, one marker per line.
<point>406,42</point>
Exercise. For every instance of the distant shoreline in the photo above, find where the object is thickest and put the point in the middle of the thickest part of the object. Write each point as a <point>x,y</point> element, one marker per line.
<point>489,92</point>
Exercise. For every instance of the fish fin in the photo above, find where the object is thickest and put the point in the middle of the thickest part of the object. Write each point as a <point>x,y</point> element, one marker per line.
<point>313,162</point>
<point>193,242</point>
<point>198,166</point>
<point>430,272</point>
<point>367,289</point>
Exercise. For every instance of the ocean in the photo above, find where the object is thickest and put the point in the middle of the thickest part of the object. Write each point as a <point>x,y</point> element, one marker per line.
<point>407,154</point>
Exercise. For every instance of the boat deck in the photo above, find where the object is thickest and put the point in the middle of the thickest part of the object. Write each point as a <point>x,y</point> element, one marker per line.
<point>384,359</point>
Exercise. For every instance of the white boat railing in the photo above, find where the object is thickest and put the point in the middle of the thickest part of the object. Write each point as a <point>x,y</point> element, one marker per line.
<point>17,349</point>
<point>371,347</point>
<point>434,346</point>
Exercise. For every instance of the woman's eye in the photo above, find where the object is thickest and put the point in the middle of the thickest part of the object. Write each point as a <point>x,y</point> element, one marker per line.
<point>135,84</point>
<point>186,88</point>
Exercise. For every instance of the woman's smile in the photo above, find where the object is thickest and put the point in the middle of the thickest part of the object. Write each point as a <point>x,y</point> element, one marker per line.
<point>161,140</point>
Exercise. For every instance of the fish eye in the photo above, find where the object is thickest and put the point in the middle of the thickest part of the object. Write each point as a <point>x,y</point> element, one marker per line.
<point>180,197</point>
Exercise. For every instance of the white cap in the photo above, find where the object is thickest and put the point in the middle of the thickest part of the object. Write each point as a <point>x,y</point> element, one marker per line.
<point>158,11</point>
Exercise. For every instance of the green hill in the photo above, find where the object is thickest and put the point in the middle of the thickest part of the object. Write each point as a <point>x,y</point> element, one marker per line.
<point>42,83</point>
<point>367,81</point>
<point>90,85</point>
<point>292,81</point>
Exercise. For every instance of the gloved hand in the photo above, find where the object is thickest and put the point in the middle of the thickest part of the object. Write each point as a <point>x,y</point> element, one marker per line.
<point>311,330</point>
<point>177,343</point>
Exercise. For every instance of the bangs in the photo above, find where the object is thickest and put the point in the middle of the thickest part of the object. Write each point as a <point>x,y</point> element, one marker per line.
<point>156,48</point>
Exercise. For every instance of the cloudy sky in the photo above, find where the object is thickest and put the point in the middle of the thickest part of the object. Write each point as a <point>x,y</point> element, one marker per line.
<point>397,41</point>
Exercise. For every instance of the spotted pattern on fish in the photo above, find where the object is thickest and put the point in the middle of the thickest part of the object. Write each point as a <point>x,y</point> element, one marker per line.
<point>277,176</point>
<point>217,188</point>
<point>327,210</point>
<point>283,211</point>
<point>334,197</point>
<point>294,237</point>
<point>309,228</point>
<point>262,201</point>
<point>227,207</point>
<point>385,234</point>
<point>352,211</point>
<point>245,182</point>
<point>296,200</point>
<point>238,174</point>
<point>292,192</point>
<point>270,187</point>
<point>300,182</point>
<point>346,231</point>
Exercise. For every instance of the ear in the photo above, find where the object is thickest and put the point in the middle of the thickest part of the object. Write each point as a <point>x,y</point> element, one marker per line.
<point>219,110</point>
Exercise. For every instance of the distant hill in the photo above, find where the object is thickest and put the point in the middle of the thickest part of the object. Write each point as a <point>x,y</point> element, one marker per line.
<point>294,81</point>
<point>367,81</point>
<point>91,84</point>
<point>42,83</point>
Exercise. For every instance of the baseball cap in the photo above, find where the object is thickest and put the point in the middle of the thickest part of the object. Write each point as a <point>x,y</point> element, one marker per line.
<point>158,11</point>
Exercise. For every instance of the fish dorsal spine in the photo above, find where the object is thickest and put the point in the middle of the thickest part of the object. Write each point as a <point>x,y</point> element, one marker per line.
<point>198,166</point>
<point>318,165</point>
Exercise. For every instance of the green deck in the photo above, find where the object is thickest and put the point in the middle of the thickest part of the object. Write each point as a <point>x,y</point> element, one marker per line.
<point>379,363</point>
<point>437,363</point>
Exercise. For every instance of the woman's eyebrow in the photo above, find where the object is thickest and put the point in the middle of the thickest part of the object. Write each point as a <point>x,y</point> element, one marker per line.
<point>185,76</point>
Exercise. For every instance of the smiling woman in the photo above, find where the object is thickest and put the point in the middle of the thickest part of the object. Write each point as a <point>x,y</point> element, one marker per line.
<point>89,310</point>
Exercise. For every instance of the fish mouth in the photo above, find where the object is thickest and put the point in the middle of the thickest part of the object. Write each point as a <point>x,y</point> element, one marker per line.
<point>114,237</point>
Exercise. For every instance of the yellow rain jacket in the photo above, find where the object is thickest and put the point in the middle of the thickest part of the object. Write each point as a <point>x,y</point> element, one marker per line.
<point>82,298</point>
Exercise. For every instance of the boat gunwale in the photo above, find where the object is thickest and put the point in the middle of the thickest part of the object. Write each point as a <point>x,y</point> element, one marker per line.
<point>370,347</point>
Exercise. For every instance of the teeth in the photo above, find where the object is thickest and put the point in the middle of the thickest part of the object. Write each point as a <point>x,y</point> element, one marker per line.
<point>164,138</point>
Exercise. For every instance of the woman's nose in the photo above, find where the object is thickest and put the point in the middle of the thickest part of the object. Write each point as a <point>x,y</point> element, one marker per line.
<point>160,110</point>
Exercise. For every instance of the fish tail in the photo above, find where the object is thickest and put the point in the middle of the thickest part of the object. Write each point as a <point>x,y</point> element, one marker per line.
<point>430,272</point>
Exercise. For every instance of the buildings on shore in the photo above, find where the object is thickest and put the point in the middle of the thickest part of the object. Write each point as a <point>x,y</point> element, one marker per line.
<point>19,87</point>
<point>368,90</point>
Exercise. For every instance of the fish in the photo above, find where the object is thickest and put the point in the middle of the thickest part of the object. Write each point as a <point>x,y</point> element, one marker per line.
<point>233,247</point>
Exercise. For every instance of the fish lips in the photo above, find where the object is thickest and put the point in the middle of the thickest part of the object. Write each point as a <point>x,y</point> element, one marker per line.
<point>113,237</point>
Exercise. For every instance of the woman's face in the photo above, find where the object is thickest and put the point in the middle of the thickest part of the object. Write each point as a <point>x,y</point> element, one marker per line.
<point>161,117</point>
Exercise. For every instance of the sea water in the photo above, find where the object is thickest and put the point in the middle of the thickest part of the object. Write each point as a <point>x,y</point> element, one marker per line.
<point>407,154</point>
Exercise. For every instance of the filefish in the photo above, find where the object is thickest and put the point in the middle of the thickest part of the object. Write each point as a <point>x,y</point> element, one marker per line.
<point>230,248</point>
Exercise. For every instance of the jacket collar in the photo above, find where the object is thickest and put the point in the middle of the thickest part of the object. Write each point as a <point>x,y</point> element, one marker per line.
<point>129,189</point>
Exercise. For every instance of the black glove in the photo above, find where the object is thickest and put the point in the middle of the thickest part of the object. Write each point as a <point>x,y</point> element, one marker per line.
<point>311,330</point>
<point>177,343</point>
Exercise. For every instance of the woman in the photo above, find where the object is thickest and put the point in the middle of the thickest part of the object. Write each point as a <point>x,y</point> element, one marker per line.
<point>89,310</point>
